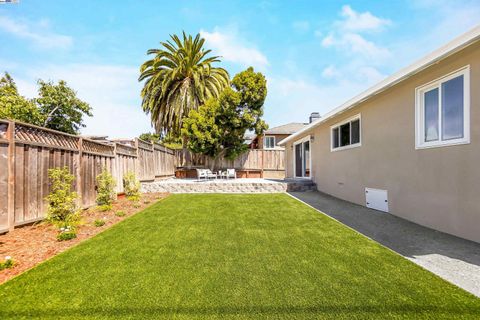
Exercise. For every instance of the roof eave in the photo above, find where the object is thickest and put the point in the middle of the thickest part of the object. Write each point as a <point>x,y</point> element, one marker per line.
<point>434,57</point>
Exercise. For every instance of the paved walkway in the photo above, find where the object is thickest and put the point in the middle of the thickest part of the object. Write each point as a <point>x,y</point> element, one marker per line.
<point>452,258</point>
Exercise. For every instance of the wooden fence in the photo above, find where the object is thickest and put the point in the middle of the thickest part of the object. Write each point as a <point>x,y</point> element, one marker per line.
<point>269,162</point>
<point>27,152</point>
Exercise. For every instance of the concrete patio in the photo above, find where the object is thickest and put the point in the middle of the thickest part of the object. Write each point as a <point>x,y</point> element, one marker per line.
<point>452,258</point>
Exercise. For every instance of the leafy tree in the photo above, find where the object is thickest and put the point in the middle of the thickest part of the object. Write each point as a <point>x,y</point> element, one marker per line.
<point>14,106</point>
<point>57,106</point>
<point>169,140</point>
<point>150,137</point>
<point>61,108</point>
<point>217,128</point>
<point>179,78</point>
<point>172,141</point>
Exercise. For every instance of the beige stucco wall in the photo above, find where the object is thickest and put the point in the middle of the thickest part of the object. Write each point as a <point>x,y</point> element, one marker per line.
<point>437,187</point>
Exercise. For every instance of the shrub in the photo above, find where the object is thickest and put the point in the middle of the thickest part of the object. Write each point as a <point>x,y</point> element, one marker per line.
<point>7,264</point>
<point>66,233</point>
<point>131,186</point>
<point>62,201</point>
<point>105,188</point>
<point>120,213</point>
<point>104,207</point>
<point>99,223</point>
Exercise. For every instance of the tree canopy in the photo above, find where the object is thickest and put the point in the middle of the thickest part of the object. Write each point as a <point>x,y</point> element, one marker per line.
<point>218,127</point>
<point>57,106</point>
<point>179,78</point>
<point>14,106</point>
<point>60,107</point>
<point>168,140</point>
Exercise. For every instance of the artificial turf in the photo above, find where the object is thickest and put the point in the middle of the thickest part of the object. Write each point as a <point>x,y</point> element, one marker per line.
<point>231,256</point>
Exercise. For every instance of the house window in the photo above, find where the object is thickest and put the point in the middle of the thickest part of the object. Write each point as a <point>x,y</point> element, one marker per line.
<point>269,142</point>
<point>346,134</point>
<point>443,111</point>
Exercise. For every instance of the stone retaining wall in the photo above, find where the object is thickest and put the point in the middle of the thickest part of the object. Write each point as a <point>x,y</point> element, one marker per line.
<point>214,187</point>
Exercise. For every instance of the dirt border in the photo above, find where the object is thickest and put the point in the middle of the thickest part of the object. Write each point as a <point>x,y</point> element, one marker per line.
<point>30,245</point>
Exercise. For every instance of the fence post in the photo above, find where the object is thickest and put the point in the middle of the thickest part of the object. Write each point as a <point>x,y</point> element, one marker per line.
<point>115,171</point>
<point>263,164</point>
<point>137,160</point>
<point>11,175</point>
<point>78,172</point>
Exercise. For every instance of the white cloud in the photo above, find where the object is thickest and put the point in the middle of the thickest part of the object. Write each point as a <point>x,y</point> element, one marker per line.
<point>38,33</point>
<point>292,100</point>
<point>234,49</point>
<point>346,35</point>
<point>353,43</point>
<point>328,41</point>
<point>301,26</point>
<point>112,91</point>
<point>357,22</point>
<point>330,72</point>
<point>451,17</point>
<point>360,45</point>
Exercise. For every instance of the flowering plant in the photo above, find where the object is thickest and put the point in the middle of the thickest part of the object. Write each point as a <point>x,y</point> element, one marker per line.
<point>7,264</point>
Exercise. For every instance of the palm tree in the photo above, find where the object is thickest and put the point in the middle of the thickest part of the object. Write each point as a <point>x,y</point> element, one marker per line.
<point>178,79</point>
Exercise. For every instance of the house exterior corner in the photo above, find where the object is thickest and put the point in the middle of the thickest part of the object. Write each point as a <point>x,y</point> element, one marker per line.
<point>437,184</point>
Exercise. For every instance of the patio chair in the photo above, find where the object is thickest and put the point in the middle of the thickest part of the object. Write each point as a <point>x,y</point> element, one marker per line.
<point>210,174</point>
<point>201,173</point>
<point>205,173</point>
<point>231,173</point>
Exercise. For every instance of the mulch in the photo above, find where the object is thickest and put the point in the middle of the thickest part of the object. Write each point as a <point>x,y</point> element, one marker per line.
<point>31,244</point>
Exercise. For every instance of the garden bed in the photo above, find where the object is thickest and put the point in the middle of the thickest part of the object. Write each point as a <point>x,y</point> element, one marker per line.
<point>32,244</point>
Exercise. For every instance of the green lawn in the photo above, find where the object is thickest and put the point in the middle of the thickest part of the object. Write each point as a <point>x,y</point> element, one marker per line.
<point>231,256</point>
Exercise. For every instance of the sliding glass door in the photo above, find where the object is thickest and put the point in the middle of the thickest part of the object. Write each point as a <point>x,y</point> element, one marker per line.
<point>302,159</point>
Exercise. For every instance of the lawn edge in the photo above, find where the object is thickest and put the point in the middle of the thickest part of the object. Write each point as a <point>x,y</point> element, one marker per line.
<point>83,241</point>
<point>382,245</point>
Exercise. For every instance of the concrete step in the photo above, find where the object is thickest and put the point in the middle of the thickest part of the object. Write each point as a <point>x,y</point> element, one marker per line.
<point>301,185</point>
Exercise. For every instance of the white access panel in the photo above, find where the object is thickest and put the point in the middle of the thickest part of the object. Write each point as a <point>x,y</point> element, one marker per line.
<point>376,199</point>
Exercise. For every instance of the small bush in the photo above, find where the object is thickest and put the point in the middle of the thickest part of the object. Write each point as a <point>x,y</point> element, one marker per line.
<point>104,207</point>
<point>120,213</point>
<point>105,188</point>
<point>66,233</point>
<point>62,201</point>
<point>131,186</point>
<point>99,223</point>
<point>7,264</point>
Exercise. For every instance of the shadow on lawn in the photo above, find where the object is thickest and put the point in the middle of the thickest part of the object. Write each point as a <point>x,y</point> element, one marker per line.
<point>405,237</point>
<point>331,310</point>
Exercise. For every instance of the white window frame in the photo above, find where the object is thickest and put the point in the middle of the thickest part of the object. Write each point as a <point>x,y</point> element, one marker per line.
<point>338,125</point>
<point>265,142</point>
<point>301,141</point>
<point>420,142</point>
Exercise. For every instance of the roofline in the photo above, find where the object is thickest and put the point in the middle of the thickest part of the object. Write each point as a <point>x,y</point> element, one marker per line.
<point>434,57</point>
<point>284,125</point>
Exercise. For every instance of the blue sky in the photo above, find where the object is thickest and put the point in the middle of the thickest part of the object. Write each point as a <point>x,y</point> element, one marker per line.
<point>315,54</point>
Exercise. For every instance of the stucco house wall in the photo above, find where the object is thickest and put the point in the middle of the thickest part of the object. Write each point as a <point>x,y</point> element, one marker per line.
<point>435,187</point>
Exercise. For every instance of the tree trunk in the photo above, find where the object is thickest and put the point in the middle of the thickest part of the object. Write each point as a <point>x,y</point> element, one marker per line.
<point>215,160</point>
